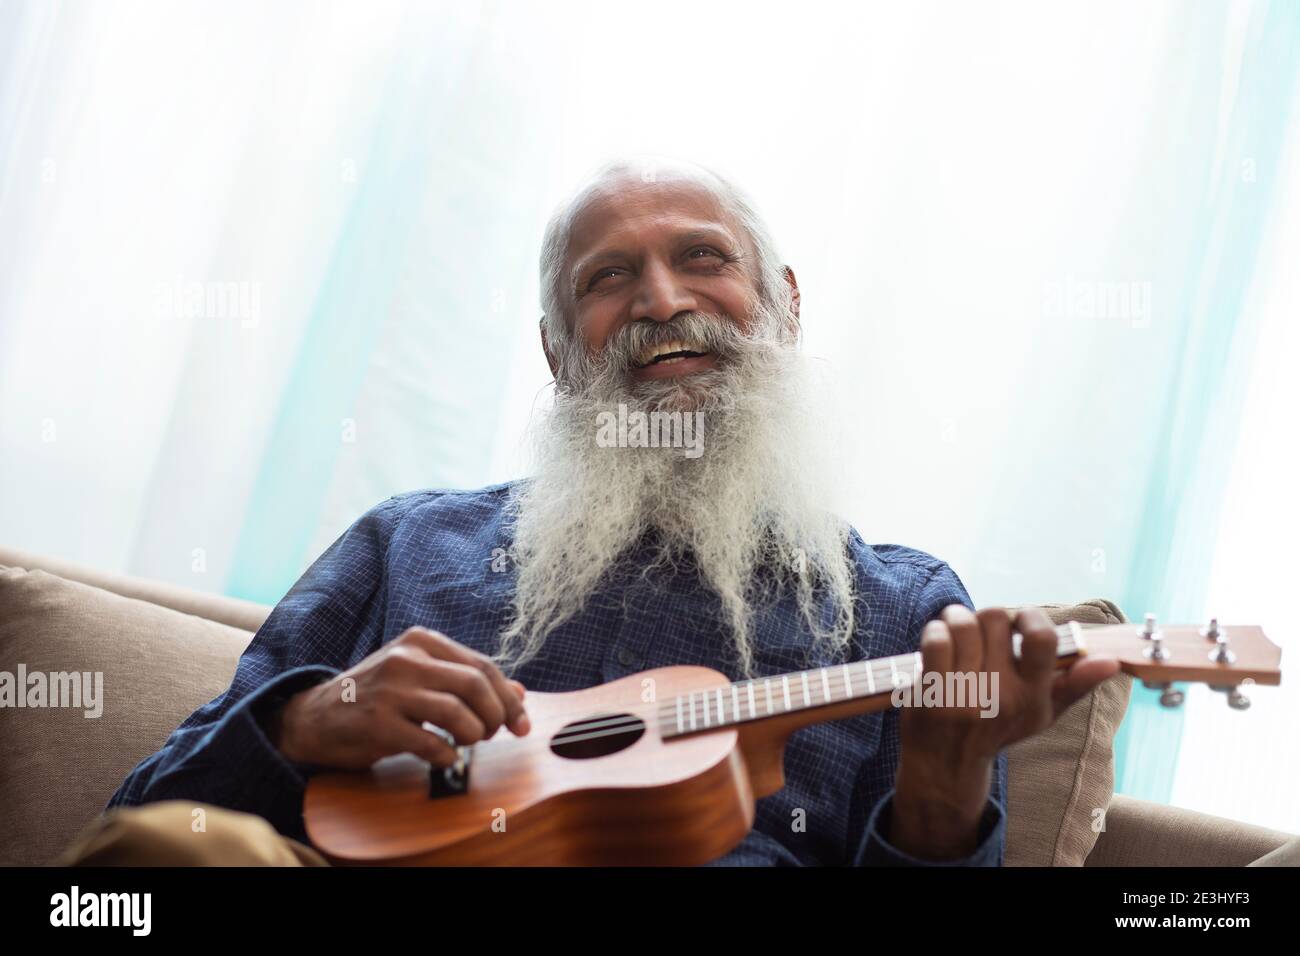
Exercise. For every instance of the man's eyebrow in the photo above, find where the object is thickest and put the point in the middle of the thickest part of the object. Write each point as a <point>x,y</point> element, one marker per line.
<point>704,234</point>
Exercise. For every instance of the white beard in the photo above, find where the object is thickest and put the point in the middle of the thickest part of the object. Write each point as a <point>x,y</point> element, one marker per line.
<point>757,495</point>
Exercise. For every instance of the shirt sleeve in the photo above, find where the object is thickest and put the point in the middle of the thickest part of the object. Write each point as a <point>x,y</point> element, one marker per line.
<point>876,850</point>
<point>941,588</point>
<point>220,754</point>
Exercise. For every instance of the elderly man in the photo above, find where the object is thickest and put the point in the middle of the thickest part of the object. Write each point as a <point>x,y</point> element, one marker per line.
<point>663,295</point>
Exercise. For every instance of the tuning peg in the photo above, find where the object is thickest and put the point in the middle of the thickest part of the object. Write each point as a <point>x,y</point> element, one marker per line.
<point>1236,699</point>
<point>1157,651</point>
<point>1221,654</point>
<point>1169,695</point>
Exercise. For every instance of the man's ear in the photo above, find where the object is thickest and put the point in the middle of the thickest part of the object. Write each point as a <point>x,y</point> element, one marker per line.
<point>795,326</point>
<point>546,347</point>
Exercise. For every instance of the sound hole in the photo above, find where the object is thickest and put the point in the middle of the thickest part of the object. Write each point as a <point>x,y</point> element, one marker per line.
<point>598,736</point>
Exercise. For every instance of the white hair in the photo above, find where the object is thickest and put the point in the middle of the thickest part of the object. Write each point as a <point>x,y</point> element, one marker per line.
<point>751,511</point>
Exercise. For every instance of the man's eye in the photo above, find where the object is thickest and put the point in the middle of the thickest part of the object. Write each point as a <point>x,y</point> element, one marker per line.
<point>706,250</point>
<point>603,273</point>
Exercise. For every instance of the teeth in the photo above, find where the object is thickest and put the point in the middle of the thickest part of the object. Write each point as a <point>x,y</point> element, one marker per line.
<point>650,353</point>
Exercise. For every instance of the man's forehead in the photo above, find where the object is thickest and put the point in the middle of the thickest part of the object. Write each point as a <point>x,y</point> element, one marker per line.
<point>617,208</point>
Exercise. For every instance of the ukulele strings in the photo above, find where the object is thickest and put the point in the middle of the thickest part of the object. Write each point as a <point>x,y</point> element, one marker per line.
<point>835,679</point>
<point>1065,648</point>
<point>882,673</point>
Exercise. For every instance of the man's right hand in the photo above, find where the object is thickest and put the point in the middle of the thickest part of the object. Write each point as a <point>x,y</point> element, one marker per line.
<point>421,676</point>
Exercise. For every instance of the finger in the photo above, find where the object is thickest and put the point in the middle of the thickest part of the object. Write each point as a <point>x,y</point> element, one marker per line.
<point>1037,645</point>
<point>475,689</point>
<point>401,736</point>
<point>967,640</point>
<point>441,646</point>
<point>447,711</point>
<point>518,688</point>
<point>1079,680</point>
<point>995,622</point>
<point>936,649</point>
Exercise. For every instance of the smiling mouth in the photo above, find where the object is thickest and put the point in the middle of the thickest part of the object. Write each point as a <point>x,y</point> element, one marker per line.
<point>670,353</point>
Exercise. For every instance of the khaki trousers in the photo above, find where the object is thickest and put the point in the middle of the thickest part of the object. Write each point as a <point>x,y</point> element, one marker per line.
<point>182,833</point>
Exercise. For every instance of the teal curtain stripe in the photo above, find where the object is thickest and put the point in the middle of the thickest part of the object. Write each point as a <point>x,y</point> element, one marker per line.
<point>1190,471</point>
<point>289,493</point>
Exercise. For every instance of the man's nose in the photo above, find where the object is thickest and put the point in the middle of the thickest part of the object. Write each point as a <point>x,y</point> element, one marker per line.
<point>660,295</point>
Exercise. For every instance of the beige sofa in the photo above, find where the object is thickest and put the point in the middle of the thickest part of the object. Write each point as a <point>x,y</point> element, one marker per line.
<point>165,650</point>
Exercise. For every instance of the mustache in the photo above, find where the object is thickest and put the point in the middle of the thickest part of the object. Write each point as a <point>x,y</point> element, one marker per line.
<point>718,334</point>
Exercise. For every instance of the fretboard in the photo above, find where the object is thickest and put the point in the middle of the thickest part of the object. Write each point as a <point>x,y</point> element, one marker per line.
<point>766,697</point>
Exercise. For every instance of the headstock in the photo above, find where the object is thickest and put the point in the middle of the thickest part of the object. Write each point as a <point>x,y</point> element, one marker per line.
<point>1222,656</point>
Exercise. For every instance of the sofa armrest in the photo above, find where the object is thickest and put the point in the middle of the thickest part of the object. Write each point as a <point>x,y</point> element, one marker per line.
<point>1141,833</point>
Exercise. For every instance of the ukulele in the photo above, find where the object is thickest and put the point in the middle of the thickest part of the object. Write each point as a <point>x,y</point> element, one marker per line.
<point>663,767</point>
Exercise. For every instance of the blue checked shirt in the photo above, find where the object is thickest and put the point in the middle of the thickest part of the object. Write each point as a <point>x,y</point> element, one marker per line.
<point>436,559</point>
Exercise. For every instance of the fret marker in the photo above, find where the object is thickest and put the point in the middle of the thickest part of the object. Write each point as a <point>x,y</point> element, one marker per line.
<point>785,689</point>
<point>826,687</point>
<point>871,677</point>
<point>704,699</point>
<point>753,711</point>
<point>807,701</point>
<point>735,703</point>
<point>721,718</point>
<point>767,685</point>
<point>848,683</point>
<point>691,700</point>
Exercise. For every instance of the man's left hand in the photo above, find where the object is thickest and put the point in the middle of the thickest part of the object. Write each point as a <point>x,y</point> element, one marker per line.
<point>945,766</point>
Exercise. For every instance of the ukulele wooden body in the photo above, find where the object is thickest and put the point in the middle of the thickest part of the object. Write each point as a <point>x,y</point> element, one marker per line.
<point>650,802</point>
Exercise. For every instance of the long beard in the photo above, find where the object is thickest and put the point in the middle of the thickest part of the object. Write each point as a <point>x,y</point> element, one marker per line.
<point>751,497</point>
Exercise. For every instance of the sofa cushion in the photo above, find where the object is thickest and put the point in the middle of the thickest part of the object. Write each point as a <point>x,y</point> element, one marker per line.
<point>1141,833</point>
<point>245,615</point>
<point>1061,780</point>
<point>58,766</point>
